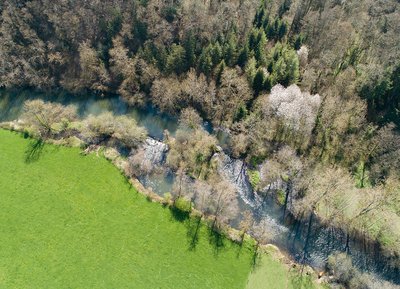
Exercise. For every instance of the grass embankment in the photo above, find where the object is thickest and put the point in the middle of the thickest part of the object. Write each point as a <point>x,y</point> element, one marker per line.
<point>72,221</point>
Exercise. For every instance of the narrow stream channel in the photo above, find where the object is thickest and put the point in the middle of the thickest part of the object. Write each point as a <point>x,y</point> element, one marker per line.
<point>311,245</point>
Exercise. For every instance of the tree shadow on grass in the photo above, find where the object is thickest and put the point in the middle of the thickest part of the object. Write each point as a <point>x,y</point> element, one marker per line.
<point>240,245</point>
<point>300,280</point>
<point>33,151</point>
<point>256,258</point>
<point>216,239</point>
<point>178,215</point>
<point>126,180</point>
<point>193,229</point>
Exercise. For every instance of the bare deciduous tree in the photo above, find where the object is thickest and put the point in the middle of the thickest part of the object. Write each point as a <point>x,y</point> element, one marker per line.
<point>223,203</point>
<point>166,94</point>
<point>43,116</point>
<point>246,223</point>
<point>115,129</point>
<point>138,164</point>
<point>199,92</point>
<point>93,73</point>
<point>234,92</point>
<point>190,118</point>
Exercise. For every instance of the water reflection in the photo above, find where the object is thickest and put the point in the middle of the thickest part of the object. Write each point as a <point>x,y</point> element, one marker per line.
<point>160,182</point>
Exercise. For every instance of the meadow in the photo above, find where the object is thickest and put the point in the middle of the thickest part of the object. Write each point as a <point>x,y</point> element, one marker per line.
<point>69,220</point>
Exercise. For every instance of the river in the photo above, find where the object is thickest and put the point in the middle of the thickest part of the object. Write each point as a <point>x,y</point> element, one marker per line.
<point>304,243</point>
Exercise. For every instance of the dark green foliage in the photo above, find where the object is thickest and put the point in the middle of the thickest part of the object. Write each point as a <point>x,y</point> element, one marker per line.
<point>258,82</point>
<point>205,61</point>
<point>169,13</point>
<point>284,65</point>
<point>267,84</point>
<point>190,48</point>
<point>216,53</point>
<point>383,98</point>
<point>282,29</point>
<point>259,17</point>
<point>230,49</point>
<point>276,30</point>
<point>160,56</point>
<point>176,60</point>
<point>285,6</point>
<point>298,41</point>
<point>219,70</point>
<point>256,160</point>
<point>252,42</point>
<point>259,50</point>
<point>108,30</point>
<point>243,55</point>
<point>351,58</point>
<point>241,113</point>
<point>140,34</point>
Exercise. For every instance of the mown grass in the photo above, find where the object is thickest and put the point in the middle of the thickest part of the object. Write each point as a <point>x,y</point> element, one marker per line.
<point>72,221</point>
<point>268,274</point>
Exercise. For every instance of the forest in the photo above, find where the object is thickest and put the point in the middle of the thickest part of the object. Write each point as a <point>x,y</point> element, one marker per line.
<point>307,90</point>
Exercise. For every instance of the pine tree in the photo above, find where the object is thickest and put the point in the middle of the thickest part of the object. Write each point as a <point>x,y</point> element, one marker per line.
<point>176,60</point>
<point>205,62</point>
<point>267,83</point>
<point>282,29</point>
<point>216,52</point>
<point>258,19</point>
<point>251,70</point>
<point>190,49</point>
<point>161,56</point>
<point>230,50</point>
<point>252,41</point>
<point>243,56</point>
<point>258,82</point>
<point>259,51</point>
<point>219,70</point>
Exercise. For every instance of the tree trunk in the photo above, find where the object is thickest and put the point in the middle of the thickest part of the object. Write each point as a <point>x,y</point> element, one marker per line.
<point>288,190</point>
<point>347,243</point>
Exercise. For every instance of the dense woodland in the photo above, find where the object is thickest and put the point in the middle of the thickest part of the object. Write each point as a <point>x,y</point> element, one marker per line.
<point>309,91</point>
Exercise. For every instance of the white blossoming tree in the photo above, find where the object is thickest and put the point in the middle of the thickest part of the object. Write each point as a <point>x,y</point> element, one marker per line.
<point>302,53</point>
<point>296,112</point>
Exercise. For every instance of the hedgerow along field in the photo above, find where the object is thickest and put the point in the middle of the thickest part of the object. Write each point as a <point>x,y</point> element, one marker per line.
<point>73,221</point>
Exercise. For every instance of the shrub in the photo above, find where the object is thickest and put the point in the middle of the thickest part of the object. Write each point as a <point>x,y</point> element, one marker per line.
<point>340,264</point>
<point>281,197</point>
<point>47,118</point>
<point>183,205</point>
<point>107,127</point>
<point>167,198</point>
<point>254,176</point>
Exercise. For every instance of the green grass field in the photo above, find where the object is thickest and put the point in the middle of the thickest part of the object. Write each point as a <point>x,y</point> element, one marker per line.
<point>72,221</point>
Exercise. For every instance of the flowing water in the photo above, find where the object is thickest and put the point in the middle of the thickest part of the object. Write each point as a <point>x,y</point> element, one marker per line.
<point>306,241</point>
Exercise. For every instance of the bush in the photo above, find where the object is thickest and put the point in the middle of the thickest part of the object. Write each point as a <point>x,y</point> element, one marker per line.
<point>281,196</point>
<point>341,266</point>
<point>44,119</point>
<point>107,127</point>
<point>183,205</point>
<point>167,198</point>
<point>254,176</point>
